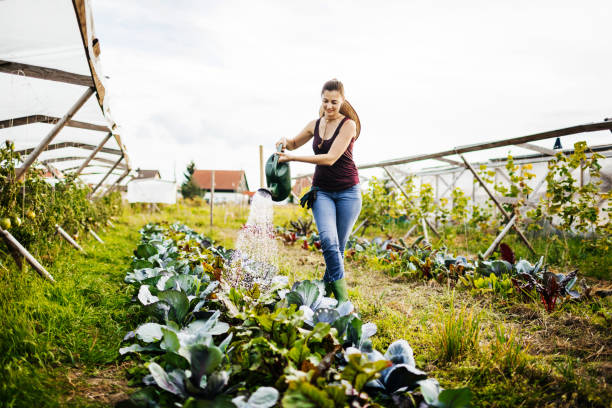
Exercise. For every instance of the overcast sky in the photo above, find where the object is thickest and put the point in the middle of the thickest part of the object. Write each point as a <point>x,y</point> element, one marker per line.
<point>209,81</point>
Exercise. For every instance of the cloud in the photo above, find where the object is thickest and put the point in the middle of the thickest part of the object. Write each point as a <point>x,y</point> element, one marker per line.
<point>213,80</point>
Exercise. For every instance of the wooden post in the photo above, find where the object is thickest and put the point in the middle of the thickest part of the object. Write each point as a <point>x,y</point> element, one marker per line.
<point>361,224</point>
<point>31,260</point>
<point>68,238</point>
<point>93,153</point>
<point>407,234</point>
<point>408,199</point>
<point>501,236</point>
<point>262,182</point>
<point>51,135</point>
<point>16,255</point>
<point>95,236</point>
<point>106,176</point>
<point>116,183</point>
<point>212,197</point>
<point>425,234</point>
<point>497,203</point>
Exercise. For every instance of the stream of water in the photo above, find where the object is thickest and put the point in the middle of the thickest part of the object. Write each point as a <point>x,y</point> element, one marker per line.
<point>256,257</point>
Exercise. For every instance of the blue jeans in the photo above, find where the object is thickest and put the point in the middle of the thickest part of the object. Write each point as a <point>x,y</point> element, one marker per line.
<point>335,213</point>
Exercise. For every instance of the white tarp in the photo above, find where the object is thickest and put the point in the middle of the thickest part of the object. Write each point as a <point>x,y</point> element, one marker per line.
<point>47,33</point>
<point>152,191</point>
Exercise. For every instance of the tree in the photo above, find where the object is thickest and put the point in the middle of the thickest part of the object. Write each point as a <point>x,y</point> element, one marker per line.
<point>189,189</point>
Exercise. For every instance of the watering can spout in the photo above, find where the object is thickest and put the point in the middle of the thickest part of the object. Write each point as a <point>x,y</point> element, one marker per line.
<point>264,192</point>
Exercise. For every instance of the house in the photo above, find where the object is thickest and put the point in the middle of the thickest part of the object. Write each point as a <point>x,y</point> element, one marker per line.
<point>230,185</point>
<point>301,183</point>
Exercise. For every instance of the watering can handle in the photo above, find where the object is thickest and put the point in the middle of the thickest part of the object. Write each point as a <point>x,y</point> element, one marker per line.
<point>278,149</point>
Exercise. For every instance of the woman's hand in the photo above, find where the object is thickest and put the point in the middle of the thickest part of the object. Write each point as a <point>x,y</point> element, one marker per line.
<point>284,157</point>
<point>283,142</point>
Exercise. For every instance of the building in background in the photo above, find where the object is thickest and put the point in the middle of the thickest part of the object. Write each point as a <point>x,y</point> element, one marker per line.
<point>230,185</point>
<point>147,174</point>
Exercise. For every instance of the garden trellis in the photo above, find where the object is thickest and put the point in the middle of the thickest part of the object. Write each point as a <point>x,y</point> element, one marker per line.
<point>459,167</point>
<point>49,72</point>
<point>460,171</point>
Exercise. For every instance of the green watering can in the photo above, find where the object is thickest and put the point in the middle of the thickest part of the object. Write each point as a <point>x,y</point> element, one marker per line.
<point>278,179</point>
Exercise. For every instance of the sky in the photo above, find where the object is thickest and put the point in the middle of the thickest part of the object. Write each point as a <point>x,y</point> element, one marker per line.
<point>210,81</point>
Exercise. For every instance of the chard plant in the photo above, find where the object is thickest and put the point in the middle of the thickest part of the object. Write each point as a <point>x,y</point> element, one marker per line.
<point>202,346</point>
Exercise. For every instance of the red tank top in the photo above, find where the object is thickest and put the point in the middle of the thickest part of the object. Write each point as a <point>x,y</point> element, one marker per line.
<point>340,175</point>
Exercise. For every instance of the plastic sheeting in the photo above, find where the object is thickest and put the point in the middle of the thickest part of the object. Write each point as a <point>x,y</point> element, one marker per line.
<point>152,191</point>
<point>56,34</point>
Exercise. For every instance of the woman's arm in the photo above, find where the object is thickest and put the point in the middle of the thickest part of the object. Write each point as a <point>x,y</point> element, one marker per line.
<point>347,133</point>
<point>304,136</point>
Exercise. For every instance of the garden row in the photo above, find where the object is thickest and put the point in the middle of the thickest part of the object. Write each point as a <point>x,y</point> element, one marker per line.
<point>505,277</point>
<point>570,205</point>
<point>31,208</point>
<point>207,344</point>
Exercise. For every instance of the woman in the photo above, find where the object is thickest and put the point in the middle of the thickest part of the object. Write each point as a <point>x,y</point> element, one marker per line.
<point>335,185</point>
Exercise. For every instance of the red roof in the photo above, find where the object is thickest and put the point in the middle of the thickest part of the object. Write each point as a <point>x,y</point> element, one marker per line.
<point>225,180</point>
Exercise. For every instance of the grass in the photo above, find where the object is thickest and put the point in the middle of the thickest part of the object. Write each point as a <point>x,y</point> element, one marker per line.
<point>59,342</point>
<point>49,332</point>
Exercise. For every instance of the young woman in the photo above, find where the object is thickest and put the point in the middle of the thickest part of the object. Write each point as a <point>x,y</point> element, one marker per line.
<point>335,185</point>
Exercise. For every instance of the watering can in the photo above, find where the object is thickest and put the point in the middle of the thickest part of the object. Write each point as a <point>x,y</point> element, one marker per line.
<point>278,179</point>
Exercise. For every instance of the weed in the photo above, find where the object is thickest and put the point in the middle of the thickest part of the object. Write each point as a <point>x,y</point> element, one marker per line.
<point>457,332</point>
<point>507,351</point>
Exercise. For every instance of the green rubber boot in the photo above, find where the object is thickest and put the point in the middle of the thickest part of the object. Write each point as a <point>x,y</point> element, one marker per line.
<point>340,290</point>
<point>329,288</point>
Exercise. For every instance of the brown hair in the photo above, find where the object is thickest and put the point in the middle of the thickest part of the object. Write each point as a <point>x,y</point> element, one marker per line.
<point>346,109</point>
<point>333,85</point>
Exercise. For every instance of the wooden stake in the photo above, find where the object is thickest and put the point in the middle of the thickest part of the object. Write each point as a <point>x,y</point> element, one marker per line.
<point>212,197</point>
<point>68,238</point>
<point>407,234</point>
<point>31,260</point>
<point>93,154</point>
<point>262,182</point>
<point>95,236</point>
<point>501,236</point>
<point>361,224</point>
<point>497,203</point>
<point>51,135</point>
<point>16,256</point>
<point>106,176</point>
<point>408,200</point>
<point>425,234</point>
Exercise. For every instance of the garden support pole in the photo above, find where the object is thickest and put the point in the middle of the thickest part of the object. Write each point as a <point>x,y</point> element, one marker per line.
<point>262,183</point>
<point>21,250</point>
<point>16,255</point>
<point>409,203</point>
<point>93,154</point>
<point>95,236</point>
<point>212,197</point>
<point>68,238</point>
<point>407,234</point>
<point>499,237</point>
<point>116,183</point>
<point>361,224</point>
<point>51,135</point>
<point>497,203</point>
<point>106,176</point>
<point>425,234</point>
<point>512,221</point>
